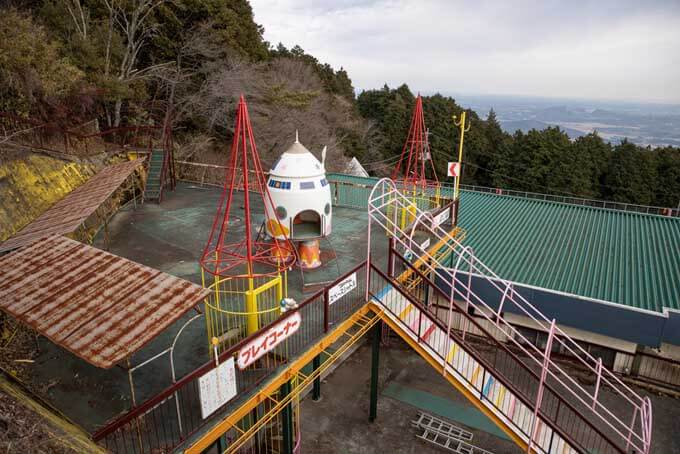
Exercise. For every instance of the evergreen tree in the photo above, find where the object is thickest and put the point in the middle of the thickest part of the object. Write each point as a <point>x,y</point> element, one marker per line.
<point>630,175</point>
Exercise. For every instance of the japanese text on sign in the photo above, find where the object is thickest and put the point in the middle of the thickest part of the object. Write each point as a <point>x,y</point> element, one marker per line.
<point>217,387</point>
<point>342,288</point>
<point>268,340</point>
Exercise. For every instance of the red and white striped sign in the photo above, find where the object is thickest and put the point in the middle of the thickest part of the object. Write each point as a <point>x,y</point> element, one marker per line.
<point>453,169</point>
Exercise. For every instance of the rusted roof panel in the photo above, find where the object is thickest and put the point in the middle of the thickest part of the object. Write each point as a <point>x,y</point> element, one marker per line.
<point>99,306</point>
<point>69,213</point>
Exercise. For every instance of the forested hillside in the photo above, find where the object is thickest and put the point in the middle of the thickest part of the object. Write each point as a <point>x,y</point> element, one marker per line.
<point>128,62</point>
<point>538,161</point>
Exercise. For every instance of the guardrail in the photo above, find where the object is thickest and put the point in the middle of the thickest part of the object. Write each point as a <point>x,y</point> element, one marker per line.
<point>571,200</point>
<point>516,370</point>
<point>629,422</point>
<point>351,180</point>
<point>169,418</point>
<point>55,138</point>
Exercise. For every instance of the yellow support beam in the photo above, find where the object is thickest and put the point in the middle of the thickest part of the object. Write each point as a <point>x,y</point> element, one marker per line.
<point>456,232</point>
<point>360,317</point>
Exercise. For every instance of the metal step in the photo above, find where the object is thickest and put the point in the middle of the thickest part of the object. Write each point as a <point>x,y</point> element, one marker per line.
<point>451,444</point>
<point>433,424</point>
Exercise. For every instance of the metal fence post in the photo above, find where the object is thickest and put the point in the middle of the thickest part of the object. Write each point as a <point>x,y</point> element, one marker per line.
<point>316,388</point>
<point>375,369</point>
<point>541,384</point>
<point>287,419</point>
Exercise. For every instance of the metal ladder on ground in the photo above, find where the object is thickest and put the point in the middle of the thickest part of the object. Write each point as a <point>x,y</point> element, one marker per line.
<point>451,444</point>
<point>446,435</point>
<point>433,424</point>
<point>540,405</point>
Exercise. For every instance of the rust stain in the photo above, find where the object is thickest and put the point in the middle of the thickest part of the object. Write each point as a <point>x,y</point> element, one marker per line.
<point>69,213</point>
<point>99,306</point>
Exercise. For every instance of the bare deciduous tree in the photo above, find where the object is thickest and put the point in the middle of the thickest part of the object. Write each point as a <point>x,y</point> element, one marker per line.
<point>132,21</point>
<point>284,95</point>
<point>79,15</point>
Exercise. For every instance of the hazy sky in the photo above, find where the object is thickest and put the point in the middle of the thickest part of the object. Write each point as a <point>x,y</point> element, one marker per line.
<point>604,49</point>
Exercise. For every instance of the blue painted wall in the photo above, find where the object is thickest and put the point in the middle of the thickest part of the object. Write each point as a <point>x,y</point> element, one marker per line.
<point>610,320</point>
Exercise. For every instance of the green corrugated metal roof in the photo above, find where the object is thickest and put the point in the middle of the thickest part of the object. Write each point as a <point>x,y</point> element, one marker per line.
<point>621,257</point>
<point>616,256</point>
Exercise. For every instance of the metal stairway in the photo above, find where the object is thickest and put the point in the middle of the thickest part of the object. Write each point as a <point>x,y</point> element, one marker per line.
<point>540,405</point>
<point>154,183</point>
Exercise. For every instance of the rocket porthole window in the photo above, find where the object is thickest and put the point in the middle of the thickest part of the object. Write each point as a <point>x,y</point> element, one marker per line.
<point>327,209</point>
<point>279,184</point>
<point>281,212</point>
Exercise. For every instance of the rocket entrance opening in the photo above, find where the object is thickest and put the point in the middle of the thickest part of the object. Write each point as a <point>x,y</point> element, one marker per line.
<point>307,224</point>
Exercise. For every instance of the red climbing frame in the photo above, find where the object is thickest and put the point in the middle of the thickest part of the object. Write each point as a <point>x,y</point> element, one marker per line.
<point>222,254</point>
<point>417,145</point>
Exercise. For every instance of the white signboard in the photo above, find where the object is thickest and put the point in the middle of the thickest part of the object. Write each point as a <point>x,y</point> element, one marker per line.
<point>440,218</point>
<point>453,169</point>
<point>217,387</point>
<point>342,288</point>
<point>267,341</point>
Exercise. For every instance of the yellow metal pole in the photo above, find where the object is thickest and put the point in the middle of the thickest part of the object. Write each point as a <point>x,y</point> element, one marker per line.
<point>463,130</point>
<point>251,308</point>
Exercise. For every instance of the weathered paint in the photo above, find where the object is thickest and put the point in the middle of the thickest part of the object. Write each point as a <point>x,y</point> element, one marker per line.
<point>30,184</point>
<point>70,212</point>
<point>99,306</point>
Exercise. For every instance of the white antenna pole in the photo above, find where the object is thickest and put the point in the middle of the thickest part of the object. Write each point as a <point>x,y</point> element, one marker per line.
<point>296,136</point>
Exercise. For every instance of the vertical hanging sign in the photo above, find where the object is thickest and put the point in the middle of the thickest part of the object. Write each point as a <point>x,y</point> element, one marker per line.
<point>217,387</point>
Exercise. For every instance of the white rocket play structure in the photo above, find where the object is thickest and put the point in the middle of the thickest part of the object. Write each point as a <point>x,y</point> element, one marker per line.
<point>302,199</point>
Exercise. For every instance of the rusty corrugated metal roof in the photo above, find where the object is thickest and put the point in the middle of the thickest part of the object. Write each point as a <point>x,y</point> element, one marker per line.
<point>69,213</point>
<point>99,306</point>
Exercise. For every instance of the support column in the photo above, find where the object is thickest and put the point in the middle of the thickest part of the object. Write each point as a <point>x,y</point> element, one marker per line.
<point>316,390</point>
<point>254,418</point>
<point>220,445</point>
<point>286,420</point>
<point>375,367</point>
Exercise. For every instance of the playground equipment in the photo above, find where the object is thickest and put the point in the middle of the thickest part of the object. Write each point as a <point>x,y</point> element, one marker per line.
<point>418,178</point>
<point>246,273</point>
<point>302,199</point>
<point>302,211</point>
<point>540,405</point>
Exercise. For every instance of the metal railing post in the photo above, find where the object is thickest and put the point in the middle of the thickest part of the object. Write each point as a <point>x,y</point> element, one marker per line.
<point>597,382</point>
<point>467,294</point>
<point>541,383</point>
<point>508,288</point>
<point>326,310</point>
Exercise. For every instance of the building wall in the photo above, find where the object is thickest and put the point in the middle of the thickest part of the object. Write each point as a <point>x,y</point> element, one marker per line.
<point>597,318</point>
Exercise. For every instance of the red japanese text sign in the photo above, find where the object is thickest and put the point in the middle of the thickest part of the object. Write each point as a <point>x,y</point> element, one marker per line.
<point>268,340</point>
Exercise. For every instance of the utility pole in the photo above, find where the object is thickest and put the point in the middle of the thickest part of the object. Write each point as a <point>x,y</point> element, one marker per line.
<point>463,130</point>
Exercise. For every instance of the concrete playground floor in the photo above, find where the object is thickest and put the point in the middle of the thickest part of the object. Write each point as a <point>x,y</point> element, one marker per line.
<point>169,237</point>
<point>338,423</point>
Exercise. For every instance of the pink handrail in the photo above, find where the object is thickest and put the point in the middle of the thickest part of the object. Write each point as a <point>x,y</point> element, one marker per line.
<point>386,194</point>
